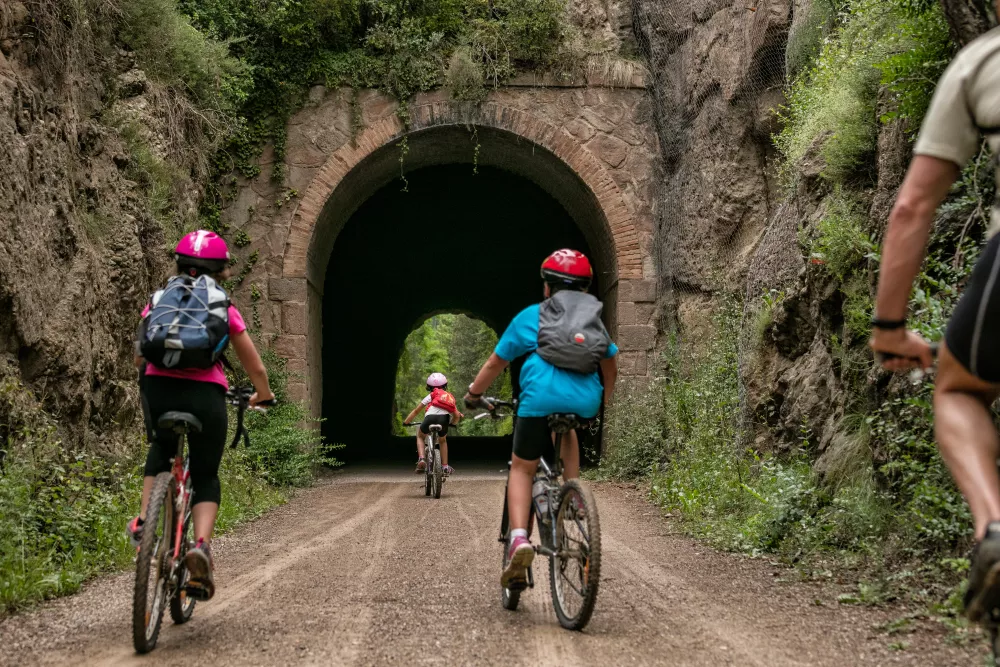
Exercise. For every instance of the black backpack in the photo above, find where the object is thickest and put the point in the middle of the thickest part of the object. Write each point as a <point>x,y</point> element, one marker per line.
<point>187,325</point>
<point>571,334</point>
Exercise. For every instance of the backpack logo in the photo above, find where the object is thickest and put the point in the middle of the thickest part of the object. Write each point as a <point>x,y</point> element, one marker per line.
<point>571,334</point>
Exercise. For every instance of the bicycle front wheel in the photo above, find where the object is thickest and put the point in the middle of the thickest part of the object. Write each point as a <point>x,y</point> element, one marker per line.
<point>575,569</point>
<point>151,566</point>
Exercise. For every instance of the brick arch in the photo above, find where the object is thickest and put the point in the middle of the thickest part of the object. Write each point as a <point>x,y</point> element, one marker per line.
<point>384,132</point>
<point>297,292</point>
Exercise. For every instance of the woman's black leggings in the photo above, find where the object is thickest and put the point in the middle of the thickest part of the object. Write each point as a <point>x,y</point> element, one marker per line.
<point>207,402</point>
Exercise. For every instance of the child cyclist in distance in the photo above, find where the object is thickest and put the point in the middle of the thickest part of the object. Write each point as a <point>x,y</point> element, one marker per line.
<point>440,408</point>
<point>202,393</point>
<point>566,344</point>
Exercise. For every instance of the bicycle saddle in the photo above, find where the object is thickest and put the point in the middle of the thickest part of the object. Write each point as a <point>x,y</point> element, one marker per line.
<point>564,423</point>
<point>434,427</point>
<point>179,422</point>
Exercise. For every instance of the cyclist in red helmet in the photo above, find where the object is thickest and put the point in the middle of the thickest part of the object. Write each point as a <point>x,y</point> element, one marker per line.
<point>565,343</point>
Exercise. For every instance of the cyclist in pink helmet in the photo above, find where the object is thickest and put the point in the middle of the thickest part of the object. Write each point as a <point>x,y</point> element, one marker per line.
<point>441,409</point>
<point>201,392</point>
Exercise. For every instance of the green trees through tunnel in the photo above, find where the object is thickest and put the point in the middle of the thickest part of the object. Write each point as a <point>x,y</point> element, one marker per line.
<point>456,345</point>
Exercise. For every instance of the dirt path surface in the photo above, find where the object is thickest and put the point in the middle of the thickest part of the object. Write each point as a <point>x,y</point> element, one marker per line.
<point>364,570</point>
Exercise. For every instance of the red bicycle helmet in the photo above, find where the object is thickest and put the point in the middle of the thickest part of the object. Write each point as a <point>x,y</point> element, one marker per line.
<point>570,267</point>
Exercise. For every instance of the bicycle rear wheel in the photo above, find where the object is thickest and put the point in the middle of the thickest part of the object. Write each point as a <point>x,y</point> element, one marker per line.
<point>438,473</point>
<point>182,604</point>
<point>575,569</point>
<point>151,569</point>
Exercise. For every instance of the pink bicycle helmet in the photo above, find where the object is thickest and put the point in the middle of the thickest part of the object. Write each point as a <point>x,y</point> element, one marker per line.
<point>436,380</point>
<point>201,251</point>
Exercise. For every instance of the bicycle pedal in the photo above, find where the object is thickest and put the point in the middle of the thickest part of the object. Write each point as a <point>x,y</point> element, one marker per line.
<point>198,593</point>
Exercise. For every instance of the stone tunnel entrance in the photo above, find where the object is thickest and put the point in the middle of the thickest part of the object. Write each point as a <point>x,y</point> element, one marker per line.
<point>490,192</point>
<point>455,241</point>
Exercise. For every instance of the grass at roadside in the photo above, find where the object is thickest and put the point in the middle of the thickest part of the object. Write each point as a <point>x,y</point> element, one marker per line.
<point>63,515</point>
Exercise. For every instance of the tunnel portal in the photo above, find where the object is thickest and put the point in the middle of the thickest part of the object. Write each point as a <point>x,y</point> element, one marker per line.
<point>458,239</point>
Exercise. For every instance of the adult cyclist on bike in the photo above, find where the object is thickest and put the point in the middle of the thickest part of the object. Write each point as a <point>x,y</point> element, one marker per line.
<point>202,393</point>
<point>966,105</point>
<point>546,389</point>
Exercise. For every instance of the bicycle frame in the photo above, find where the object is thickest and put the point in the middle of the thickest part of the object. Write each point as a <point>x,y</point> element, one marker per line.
<point>182,495</point>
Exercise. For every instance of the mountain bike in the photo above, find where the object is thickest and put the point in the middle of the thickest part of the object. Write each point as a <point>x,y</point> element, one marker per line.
<point>160,574</point>
<point>568,528</point>
<point>433,470</point>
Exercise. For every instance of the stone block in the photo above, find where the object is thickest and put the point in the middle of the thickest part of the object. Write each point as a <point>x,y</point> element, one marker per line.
<point>297,369</point>
<point>636,337</point>
<point>640,291</point>
<point>290,346</point>
<point>626,312</point>
<point>287,289</point>
<point>644,313</point>
<point>294,318</point>
<point>297,392</point>
<point>632,363</point>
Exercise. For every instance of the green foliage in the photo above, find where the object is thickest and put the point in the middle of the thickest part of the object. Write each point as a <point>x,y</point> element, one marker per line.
<point>156,178</point>
<point>286,447</point>
<point>920,49</point>
<point>457,346</point>
<point>65,513</point>
<point>840,240</point>
<point>175,52</point>
<point>830,113</point>
<point>398,46</point>
<point>635,434</point>
<point>806,40</point>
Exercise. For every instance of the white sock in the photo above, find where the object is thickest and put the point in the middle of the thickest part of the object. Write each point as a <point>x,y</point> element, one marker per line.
<point>518,532</point>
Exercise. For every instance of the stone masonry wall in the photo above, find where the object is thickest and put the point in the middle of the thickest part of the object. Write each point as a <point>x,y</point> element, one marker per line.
<point>606,135</point>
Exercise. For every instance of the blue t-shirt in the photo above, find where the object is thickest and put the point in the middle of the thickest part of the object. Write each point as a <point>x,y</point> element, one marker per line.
<point>546,389</point>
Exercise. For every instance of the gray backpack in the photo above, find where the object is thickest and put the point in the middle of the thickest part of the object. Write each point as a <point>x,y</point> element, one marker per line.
<point>571,334</point>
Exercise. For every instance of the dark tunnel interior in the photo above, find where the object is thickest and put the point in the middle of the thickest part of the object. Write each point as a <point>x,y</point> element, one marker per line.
<point>455,241</point>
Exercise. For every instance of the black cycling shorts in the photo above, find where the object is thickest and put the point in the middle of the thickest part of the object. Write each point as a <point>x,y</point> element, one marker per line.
<point>443,420</point>
<point>533,439</point>
<point>974,327</point>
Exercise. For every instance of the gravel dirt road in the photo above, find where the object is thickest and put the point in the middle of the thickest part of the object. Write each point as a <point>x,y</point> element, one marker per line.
<point>364,570</point>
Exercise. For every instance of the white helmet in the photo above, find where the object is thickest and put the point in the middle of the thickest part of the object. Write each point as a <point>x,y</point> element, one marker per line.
<point>436,380</point>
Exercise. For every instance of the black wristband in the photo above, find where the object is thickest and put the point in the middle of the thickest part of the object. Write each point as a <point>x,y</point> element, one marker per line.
<point>888,325</point>
<point>473,395</point>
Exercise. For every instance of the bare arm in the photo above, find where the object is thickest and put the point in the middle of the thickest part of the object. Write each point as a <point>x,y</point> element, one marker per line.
<point>609,369</point>
<point>247,354</point>
<point>926,185</point>
<point>490,371</point>
<point>409,417</point>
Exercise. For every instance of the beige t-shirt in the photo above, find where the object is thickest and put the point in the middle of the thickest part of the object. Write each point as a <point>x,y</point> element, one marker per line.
<point>966,105</point>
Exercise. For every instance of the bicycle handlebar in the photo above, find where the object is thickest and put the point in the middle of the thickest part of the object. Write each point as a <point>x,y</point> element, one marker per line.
<point>492,405</point>
<point>886,356</point>
<point>240,397</point>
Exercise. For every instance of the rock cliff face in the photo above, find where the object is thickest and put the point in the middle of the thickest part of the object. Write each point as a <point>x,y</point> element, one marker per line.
<point>79,245</point>
<point>727,226</point>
